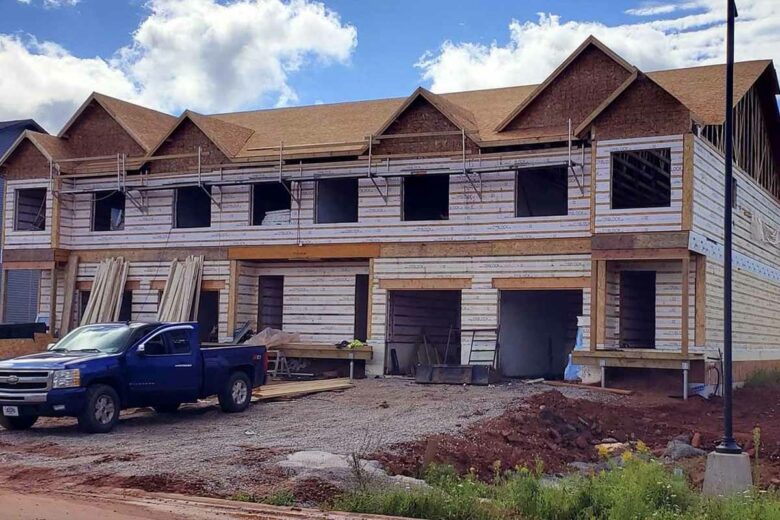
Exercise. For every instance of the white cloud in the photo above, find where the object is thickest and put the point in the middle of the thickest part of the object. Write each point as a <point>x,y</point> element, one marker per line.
<point>654,9</point>
<point>53,4</point>
<point>205,55</point>
<point>694,36</point>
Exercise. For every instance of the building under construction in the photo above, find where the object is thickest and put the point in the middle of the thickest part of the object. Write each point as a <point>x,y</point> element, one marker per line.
<point>467,221</point>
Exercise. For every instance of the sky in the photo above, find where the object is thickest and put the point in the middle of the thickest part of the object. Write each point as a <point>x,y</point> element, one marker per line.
<point>215,56</point>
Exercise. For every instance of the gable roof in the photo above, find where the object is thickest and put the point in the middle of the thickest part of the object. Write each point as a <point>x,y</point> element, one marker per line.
<point>228,137</point>
<point>589,41</point>
<point>703,89</point>
<point>144,125</point>
<point>458,116</point>
<point>50,146</point>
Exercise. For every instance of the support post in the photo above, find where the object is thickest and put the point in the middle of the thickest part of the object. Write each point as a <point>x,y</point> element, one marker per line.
<point>53,303</point>
<point>232,296</point>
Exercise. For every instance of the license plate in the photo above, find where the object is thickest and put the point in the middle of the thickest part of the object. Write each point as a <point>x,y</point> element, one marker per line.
<point>11,411</point>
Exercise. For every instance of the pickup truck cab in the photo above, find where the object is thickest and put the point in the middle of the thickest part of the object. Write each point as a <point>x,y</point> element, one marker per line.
<point>97,370</point>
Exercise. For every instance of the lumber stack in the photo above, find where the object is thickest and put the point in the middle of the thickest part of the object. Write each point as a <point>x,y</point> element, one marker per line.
<point>299,388</point>
<point>108,286</point>
<point>181,294</point>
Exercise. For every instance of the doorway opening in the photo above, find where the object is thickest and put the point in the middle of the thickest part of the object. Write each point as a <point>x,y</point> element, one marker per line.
<point>538,330</point>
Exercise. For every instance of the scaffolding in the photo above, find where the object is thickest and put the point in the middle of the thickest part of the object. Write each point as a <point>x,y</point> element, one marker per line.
<point>291,174</point>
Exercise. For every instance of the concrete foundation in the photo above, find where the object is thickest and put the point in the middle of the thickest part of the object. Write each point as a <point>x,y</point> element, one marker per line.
<point>727,474</point>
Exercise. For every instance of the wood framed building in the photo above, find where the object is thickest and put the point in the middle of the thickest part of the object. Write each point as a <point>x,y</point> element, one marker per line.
<point>473,218</point>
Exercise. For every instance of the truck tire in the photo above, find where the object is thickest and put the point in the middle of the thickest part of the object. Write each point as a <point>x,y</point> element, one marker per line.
<point>23,422</point>
<point>101,412</point>
<point>167,408</point>
<point>236,394</point>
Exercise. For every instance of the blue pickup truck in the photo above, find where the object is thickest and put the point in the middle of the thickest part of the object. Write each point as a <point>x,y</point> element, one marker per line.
<point>97,370</point>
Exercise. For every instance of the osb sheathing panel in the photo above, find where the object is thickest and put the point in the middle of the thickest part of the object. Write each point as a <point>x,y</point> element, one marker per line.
<point>27,162</point>
<point>643,110</point>
<point>575,93</point>
<point>422,117</point>
<point>95,133</point>
<point>185,140</point>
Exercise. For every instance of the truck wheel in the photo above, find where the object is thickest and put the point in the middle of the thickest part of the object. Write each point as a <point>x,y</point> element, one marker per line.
<point>236,394</point>
<point>167,408</point>
<point>101,412</point>
<point>22,422</point>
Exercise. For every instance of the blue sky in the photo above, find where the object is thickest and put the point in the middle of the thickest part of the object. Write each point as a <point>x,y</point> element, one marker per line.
<point>53,55</point>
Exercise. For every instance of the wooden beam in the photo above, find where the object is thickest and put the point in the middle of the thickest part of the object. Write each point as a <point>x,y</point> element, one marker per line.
<point>232,296</point>
<point>542,283</point>
<point>700,284</point>
<point>687,173</point>
<point>155,254</point>
<point>601,302</point>
<point>684,308</point>
<point>658,240</point>
<point>424,284</point>
<point>304,252</point>
<point>7,266</point>
<point>641,254</point>
<point>529,246</point>
<point>212,285</point>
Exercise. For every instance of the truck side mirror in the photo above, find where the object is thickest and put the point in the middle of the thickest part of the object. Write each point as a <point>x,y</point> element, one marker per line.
<point>141,350</point>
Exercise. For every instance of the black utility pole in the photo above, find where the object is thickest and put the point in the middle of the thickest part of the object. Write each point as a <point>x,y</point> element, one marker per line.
<point>728,444</point>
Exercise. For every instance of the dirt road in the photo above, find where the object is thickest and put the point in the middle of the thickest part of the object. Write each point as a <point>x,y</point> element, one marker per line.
<point>147,506</point>
<point>201,451</point>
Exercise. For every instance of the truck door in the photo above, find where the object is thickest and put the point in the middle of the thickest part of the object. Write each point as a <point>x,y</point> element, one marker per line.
<point>167,369</point>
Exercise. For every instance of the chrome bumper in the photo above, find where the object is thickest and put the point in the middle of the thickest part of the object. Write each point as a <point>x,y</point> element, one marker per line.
<point>10,398</point>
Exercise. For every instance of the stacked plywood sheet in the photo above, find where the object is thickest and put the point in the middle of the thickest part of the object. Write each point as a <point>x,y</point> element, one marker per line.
<point>105,298</point>
<point>181,295</point>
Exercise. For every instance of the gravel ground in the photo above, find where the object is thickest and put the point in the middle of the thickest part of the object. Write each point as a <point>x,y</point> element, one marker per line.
<point>224,453</point>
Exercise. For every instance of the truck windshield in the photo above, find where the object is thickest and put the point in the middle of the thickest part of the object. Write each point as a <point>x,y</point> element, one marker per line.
<point>107,338</point>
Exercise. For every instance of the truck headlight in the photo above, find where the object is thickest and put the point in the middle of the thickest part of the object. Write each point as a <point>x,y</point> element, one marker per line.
<point>66,378</point>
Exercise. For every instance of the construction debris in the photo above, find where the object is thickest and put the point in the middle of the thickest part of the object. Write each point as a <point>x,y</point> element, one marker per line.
<point>181,295</point>
<point>588,387</point>
<point>105,298</point>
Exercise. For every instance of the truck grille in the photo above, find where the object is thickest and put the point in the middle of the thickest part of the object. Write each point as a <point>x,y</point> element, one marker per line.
<point>23,381</point>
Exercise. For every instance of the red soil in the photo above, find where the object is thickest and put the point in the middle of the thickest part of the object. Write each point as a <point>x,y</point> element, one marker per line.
<point>556,431</point>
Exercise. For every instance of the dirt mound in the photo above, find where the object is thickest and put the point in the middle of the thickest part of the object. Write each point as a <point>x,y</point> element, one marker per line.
<point>556,431</point>
<point>158,483</point>
<point>315,491</point>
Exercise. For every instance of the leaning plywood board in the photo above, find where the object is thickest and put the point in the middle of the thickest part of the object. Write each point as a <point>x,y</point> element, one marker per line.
<point>105,298</point>
<point>70,293</point>
<point>296,389</point>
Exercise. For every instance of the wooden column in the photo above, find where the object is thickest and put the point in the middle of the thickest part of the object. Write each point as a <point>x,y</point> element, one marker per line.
<point>700,337</point>
<point>598,301</point>
<point>602,303</point>
<point>687,200</point>
<point>685,293</point>
<point>53,302</point>
<point>370,313</point>
<point>232,297</point>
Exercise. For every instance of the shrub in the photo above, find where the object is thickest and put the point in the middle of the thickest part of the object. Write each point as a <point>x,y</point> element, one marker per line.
<point>638,489</point>
<point>763,377</point>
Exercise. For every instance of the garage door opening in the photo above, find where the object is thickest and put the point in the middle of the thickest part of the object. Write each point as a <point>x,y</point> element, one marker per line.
<point>538,330</point>
<point>422,327</point>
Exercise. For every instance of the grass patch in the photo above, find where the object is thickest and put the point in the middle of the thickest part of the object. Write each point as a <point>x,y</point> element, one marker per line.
<point>283,497</point>
<point>637,490</point>
<point>763,378</point>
